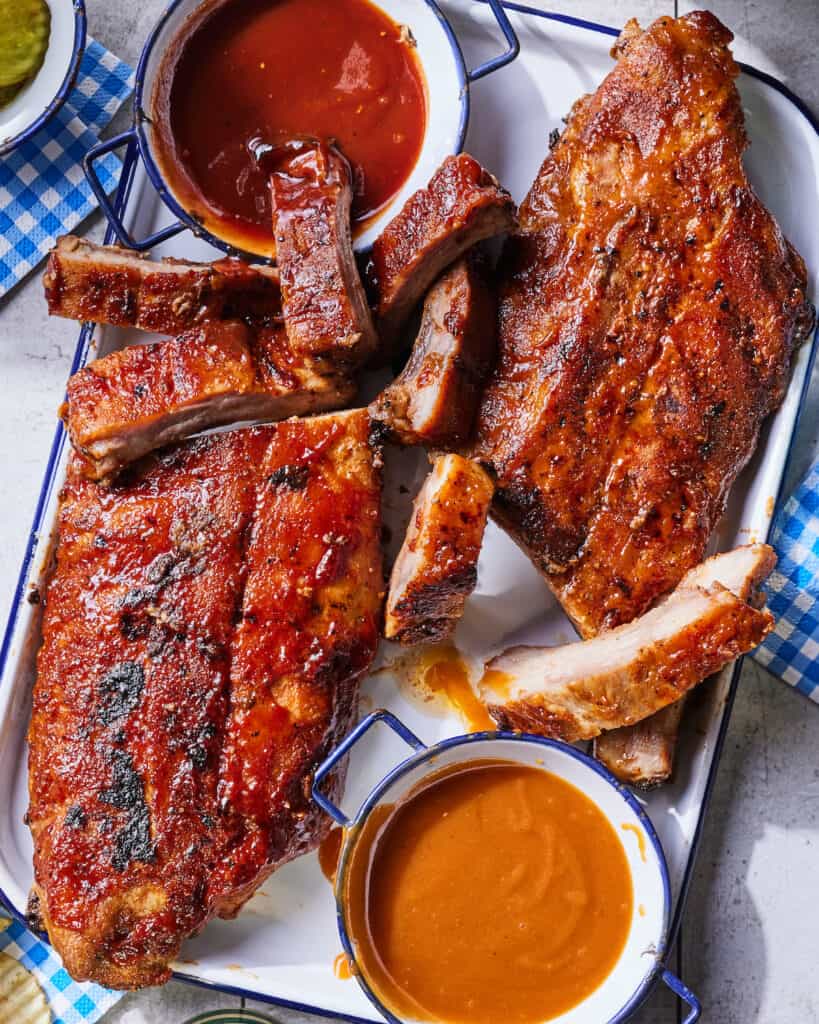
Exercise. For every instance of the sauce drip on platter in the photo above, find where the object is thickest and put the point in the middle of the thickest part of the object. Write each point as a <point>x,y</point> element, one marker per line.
<point>493,891</point>
<point>245,71</point>
<point>330,851</point>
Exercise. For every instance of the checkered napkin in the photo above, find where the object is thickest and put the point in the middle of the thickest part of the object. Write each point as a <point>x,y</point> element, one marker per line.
<point>70,1002</point>
<point>792,650</point>
<point>43,191</point>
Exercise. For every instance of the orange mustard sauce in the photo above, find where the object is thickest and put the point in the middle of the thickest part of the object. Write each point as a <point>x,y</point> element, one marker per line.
<point>273,70</point>
<point>342,968</point>
<point>494,892</point>
<point>445,676</point>
<point>641,843</point>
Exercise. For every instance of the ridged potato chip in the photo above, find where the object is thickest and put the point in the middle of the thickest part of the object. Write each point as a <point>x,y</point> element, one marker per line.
<point>25,26</point>
<point>22,1001</point>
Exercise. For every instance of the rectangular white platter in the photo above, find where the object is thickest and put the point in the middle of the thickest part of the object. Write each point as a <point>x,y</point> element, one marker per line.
<point>283,945</point>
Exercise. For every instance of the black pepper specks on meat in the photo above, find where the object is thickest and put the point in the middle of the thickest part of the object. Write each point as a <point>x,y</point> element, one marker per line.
<point>294,477</point>
<point>75,817</point>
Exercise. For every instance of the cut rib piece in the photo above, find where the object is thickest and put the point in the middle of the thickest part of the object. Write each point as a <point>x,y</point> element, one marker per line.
<point>325,308</point>
<point>643,754</point>
<point>577,691</point>
<point>435,398</point>
<point>126,404</point>
<point>437,567</point>
<point>461,206</point>
<point>309,630</point>
<point>649,309</point>
<point>109,285</point>
<point>171,752</point>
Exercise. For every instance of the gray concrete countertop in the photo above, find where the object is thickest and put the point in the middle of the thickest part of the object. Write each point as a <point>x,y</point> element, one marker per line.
<point>748,946</point>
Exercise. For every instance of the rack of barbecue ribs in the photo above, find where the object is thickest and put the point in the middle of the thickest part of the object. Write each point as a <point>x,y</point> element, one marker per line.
<point>206,626</point>
<point>649,309</point>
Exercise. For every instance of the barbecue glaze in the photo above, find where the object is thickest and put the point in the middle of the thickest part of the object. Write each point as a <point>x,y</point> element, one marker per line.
<point>494,891</point>
<point>274,71</point>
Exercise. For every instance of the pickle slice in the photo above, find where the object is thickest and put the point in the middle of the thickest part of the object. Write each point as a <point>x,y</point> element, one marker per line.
<point>8,92</point>
<point>25,26</point>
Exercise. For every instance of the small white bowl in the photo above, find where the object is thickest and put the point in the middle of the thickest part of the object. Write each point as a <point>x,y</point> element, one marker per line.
<point>46,93</point>
<point>643,958</point>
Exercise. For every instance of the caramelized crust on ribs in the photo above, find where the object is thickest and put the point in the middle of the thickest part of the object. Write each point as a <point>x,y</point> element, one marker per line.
<point>435,398</point>
<point>649,310</point>
<point>155,799</point>
<point>463,204</point>
<point>325,308</point>
<point>625,674</point>
<point>110,285</point>
<point>437,567</point>
<point>133,401</point>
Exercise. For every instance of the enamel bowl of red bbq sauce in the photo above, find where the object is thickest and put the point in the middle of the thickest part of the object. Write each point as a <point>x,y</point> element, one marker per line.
<point>500,877</point>
<point>384,79</point>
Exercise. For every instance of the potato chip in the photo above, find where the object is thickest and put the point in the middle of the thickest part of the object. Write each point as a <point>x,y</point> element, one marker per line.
<point>22,1001</point>
<point>25,26</point>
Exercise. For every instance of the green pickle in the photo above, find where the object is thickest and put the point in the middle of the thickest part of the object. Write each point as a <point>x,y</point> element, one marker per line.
<point>8,92</point>
<point>25,26</point>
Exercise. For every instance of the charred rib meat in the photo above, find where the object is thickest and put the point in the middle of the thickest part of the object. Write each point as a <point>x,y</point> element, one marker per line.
<point>325,308</point>
<point>110,285</point>
<point>461,206</point>
<point>434,399</point>
<point>649,309</point>
<point>138,399</point>
<point>437,567</point>
<point>155,799</point>
<point>623,675</point>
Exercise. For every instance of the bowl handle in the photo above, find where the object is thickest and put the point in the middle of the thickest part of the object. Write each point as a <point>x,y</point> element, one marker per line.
<point>124,237</point>
<point>513,44</point>
<point>346,746</point>
<point>684,993</point>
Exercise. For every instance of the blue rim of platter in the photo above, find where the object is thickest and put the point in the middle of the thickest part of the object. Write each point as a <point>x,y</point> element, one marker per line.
<point>425,754</point>
<point>126,179</point>
<point>155,175</point>
<point>80,30</point>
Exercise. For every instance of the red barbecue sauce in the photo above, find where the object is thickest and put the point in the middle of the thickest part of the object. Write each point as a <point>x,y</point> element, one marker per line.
<point>272,70</point>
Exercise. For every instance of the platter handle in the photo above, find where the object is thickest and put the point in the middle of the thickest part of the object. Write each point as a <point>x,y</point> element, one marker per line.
<point>513,45</point>
<point>685,994</point>
<point>346,746</point>
<point>124,237</point>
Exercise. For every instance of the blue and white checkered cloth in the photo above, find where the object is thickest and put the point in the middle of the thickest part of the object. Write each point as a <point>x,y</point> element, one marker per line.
<point>792,650</point>
<point>70,1002</point>
<point>43,191</point>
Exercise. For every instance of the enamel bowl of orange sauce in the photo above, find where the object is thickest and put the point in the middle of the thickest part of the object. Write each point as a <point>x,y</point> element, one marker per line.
<point>384,79</point>
<point>500,878</point>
